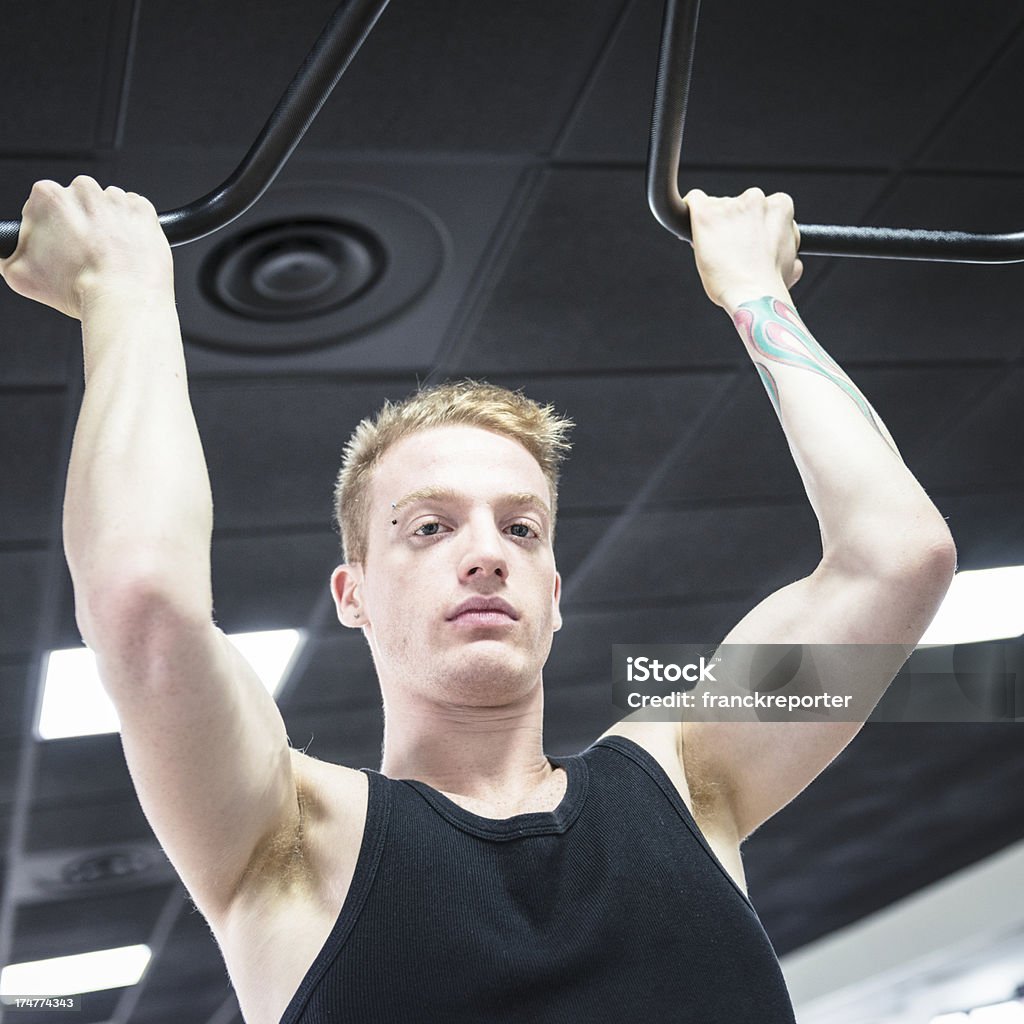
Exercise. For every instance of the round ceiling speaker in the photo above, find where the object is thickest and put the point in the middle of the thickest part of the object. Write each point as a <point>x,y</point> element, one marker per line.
<point>312,265</point>
<point>292,270</point>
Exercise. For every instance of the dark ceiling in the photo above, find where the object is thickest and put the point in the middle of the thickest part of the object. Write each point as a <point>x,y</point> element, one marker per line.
<point>498,148</point>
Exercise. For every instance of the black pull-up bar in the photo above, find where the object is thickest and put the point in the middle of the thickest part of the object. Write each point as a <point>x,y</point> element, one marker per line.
<point>348,28</point>
<point>306,93</point>
<point>678,38</point>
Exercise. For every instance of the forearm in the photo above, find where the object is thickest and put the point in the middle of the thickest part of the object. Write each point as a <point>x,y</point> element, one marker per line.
<point>138,509</point>
<point>874,515</point>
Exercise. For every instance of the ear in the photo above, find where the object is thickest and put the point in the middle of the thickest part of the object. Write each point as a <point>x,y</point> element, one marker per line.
<point>346,589</point>
<point>556,611</point>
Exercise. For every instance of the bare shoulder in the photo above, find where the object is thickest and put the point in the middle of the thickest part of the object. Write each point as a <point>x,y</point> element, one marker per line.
<point>664,742</point>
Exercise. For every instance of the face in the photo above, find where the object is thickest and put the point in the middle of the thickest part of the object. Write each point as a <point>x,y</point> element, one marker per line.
<point>458,597</point>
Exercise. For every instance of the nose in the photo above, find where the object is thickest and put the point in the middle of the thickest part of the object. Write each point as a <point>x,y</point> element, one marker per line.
<point>484,555</point>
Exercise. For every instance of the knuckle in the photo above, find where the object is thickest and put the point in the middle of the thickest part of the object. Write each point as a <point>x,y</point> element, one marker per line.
<point>46,187</point>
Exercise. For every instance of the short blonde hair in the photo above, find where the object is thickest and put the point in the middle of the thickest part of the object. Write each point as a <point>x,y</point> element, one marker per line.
<point>542,432</point>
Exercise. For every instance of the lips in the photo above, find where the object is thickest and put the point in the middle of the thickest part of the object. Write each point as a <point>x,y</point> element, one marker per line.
<point>483,606</point>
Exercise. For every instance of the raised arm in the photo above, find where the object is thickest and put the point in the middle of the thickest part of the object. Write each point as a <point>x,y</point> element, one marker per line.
<point>204,741</point>
<point>887,554</point>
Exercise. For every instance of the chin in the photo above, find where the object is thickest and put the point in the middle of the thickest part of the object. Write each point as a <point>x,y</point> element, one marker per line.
<point>488,670</point>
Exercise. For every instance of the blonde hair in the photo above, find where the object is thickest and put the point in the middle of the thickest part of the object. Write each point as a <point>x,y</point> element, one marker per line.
<point>542,432</point>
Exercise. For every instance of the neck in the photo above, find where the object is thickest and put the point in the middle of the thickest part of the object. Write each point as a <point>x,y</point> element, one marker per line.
<point>490,754</point>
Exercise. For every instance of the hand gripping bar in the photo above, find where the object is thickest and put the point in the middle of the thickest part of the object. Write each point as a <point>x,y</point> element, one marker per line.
<point>338,43</point>
<point>675,62</point>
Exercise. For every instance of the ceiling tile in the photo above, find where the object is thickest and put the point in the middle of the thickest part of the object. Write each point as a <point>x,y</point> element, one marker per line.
<point>41,348</point>
<point>339,676</point>
<point>65,927</point>
<point>351,737</point>
<point>81,768</point>
<point>835,86</point>
<point>14,684</point>
<point>574,716</point>
<point>699,554</point>
<point>75,109</point>
<point>21,599</point>
<point>504,81</point>
<point>274,447</point>
<point>624,426</point>
<point>271,582</point>
<point>988,528</point>
<point>976,135</point>
<point>29,469</point>
<point>986,447</point>
<point>103,818</point>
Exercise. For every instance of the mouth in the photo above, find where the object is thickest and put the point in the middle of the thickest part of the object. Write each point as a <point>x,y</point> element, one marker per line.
<point>484,611</point>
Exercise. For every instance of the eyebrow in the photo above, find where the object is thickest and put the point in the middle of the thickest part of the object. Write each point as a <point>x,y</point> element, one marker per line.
<point>447,494</point>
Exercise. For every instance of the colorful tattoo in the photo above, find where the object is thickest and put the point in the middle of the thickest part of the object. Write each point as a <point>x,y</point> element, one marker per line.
<point>770,386</point>
<point>772,329</point>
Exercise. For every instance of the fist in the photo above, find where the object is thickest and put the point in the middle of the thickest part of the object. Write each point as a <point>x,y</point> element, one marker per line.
<point>83,238</point>
<point>746,246</point>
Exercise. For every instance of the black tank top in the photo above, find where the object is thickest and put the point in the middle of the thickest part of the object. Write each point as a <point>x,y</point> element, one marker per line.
<point>610,908</point>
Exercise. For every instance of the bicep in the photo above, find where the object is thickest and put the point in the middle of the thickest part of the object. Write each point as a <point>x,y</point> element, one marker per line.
<point>206,748</point>
<point>856,631</point>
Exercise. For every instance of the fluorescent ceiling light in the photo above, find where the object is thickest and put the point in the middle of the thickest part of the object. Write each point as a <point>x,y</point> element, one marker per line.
<point>1000,1013</point>
<point>72,975</point>
<point>75,704</point>
<point>981,604</point>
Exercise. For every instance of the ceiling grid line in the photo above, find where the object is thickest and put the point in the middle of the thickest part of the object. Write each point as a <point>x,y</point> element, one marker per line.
<point>128,68</point>
<point>589,80</point>
<point>481,284</point>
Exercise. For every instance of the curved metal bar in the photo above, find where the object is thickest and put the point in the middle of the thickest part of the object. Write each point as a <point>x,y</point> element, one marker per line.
<point>675,61</point>
<point>325,63</point>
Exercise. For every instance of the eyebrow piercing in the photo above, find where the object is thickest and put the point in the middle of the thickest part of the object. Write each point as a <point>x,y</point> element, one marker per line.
<point>393,521</point>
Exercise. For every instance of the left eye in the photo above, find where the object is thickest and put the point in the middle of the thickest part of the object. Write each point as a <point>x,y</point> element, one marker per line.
<point>525,527</point>
<point>430,529</point>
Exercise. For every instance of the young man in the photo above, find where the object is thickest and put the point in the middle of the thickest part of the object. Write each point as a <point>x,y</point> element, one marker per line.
<point>472,878</point>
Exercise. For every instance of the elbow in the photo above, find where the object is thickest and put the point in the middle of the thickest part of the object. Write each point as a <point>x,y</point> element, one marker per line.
<point>938,559</point>
<point>930,562</point>
<point>922,555</point>
<point>133,608</point>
